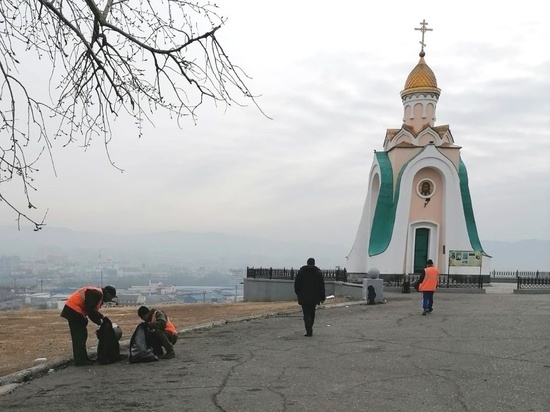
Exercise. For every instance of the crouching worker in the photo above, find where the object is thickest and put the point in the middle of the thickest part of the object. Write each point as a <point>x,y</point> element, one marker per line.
<point>161,333</point>
<point>81,305</point>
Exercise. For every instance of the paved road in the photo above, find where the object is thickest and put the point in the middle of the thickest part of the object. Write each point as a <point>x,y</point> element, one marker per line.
<point>485,352</point>
<point>499,288</point>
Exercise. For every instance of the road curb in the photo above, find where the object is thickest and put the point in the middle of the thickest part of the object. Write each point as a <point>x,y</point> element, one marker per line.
<point>9,382</point>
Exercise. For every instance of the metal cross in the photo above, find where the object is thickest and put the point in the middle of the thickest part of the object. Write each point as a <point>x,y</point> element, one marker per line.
<point>423,29</point>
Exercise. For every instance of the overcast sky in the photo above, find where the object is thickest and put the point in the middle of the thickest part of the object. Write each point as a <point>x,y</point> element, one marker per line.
<point>329,75</point>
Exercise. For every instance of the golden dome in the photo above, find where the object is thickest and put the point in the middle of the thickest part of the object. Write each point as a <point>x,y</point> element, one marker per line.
<point>421,79</point>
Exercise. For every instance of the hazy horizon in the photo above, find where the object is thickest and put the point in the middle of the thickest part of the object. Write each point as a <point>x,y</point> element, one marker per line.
<point>229,250</point>
<point>329,77</point>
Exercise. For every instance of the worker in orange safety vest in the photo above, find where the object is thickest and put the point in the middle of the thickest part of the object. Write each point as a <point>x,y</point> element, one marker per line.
<point>160,332</point>
<point>81,305</point>
<point>428,284</point>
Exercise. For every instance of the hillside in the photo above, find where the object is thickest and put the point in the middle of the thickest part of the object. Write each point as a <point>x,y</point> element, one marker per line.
<point>199,249</point>
<point>521,255</point>
<point>224,250</point>
<point>46,334</point>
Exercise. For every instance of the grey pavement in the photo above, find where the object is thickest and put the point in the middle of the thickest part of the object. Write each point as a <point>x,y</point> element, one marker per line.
<point>495,287</point>
<point>475,352</point>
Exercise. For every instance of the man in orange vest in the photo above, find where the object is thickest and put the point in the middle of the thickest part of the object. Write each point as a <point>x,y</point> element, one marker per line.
<point>428,284</point>
<point>81,305</point>
<point>161,333</point>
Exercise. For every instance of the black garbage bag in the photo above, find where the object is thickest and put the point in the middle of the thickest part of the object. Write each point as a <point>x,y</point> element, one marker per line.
<point>108,348</point>
<point>139,349</point>
<point>371,295</point>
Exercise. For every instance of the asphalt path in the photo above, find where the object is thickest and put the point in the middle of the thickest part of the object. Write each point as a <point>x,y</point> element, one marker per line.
<point>475,352</point>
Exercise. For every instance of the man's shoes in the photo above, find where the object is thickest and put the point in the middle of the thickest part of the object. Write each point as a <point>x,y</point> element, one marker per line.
<point>309,334</point>
<point>168,355</point>
<point>424,312</point>
<point>87,362</point>
<point>430,310</point>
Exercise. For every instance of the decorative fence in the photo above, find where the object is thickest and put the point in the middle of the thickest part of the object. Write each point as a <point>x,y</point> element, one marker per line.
<point>530,280</point>
<point>516,273</point>
<point>445,281</point>
<point>338,275</point>
<point>341,275</point>
<point>525,279</point>
<point>538,282</point>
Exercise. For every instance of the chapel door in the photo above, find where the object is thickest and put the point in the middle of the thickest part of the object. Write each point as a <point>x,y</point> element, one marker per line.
<point>421,242</point>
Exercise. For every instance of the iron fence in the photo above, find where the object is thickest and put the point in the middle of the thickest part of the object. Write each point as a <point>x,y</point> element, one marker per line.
<point>338,275</point>
<point>540,282</point>
<point>445,281</point>
<point>525,279</point>
<point>518,273</point>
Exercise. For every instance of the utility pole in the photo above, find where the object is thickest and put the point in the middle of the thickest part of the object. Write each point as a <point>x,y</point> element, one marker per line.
<point>100,269</point>
<point>237,282</point>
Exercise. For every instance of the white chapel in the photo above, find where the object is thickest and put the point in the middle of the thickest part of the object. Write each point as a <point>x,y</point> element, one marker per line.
<point>418,204</point>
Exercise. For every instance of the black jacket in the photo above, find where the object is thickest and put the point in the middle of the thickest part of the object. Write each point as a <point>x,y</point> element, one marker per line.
<point>309,285</point>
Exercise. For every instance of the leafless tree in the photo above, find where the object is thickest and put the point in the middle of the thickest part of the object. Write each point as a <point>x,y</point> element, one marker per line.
<point>102,58</point>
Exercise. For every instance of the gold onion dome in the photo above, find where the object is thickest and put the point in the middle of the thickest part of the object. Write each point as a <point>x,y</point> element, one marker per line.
<point>421,79</point>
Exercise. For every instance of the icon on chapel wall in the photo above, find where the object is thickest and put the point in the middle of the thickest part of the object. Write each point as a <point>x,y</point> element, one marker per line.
<point>426,188</point>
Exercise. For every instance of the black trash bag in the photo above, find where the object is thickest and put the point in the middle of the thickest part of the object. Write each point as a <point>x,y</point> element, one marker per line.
<point>139,349</point>
<point>108,348</point>
<point>371,295</point>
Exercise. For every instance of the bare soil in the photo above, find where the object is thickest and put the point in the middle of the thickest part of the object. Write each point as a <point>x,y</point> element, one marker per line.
<point>29,334</point>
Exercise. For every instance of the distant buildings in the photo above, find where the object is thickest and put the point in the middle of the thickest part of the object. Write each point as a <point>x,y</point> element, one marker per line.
<point>46,282</point>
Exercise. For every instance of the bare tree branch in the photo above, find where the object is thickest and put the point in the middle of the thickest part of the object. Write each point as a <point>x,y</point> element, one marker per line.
<point>106,57</point>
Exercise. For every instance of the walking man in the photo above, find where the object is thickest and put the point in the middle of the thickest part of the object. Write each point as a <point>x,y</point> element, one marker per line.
<point>428,284</point>
<point>81,305</point>
<point>309,286</point>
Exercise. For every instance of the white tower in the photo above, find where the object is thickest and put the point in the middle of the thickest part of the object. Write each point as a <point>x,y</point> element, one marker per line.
<point>418,203</point>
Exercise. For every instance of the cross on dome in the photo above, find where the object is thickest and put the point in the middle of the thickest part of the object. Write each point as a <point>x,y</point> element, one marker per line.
<point>423,29</point>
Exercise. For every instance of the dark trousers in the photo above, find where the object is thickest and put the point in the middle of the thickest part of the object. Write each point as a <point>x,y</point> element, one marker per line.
<point>158,339</point>
<point>427,300</point>
<point>308,310</point>
<point>79,336</point>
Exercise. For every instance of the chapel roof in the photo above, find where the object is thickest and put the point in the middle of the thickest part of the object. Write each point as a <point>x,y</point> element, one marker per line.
<point>421,79</point>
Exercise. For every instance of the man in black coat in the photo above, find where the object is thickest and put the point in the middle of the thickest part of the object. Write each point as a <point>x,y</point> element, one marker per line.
<point>309,286</point>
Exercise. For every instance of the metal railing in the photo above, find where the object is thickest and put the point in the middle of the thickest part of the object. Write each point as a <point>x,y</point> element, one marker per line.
<point>338,275</point>
<point>518,273</point>
<point>445,281</point>
<point>540,282</point>
<point>525,279</point>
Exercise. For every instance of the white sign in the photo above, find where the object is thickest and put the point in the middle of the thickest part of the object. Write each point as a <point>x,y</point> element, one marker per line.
<point>465,258</point>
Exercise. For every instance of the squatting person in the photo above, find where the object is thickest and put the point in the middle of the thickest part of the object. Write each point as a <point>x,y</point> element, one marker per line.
<point>161,333</point>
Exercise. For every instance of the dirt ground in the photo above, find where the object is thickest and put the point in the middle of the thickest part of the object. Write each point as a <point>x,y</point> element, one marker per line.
<point>29,334</point>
